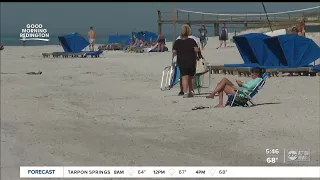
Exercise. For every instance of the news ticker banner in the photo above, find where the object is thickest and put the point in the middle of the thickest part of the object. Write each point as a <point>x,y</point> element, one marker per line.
<point>169,172</point>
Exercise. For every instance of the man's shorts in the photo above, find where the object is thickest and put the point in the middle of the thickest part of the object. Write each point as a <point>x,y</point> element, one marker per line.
<point>223,38</point>
<point>187,71</point>
<point>202,38</point>
<point>91,41</point>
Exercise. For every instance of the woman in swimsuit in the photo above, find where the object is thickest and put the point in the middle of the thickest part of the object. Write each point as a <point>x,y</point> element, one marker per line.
<point>161,42</point>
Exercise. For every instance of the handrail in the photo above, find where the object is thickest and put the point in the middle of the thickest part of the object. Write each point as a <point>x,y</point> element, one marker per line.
<point>216,14</point>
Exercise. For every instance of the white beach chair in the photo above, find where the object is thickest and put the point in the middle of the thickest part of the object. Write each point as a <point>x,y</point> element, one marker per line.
<point>168,77</point>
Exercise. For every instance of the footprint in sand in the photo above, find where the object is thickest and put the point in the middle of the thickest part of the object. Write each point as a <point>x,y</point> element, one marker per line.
<point>66,77</point>
<point>94,73</point>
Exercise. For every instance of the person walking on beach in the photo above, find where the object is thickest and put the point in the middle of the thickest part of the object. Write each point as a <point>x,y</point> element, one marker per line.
<point>223,37</point>
<point>197,40</point>
<point>92,37</point>
<point>203,36</point>
<point>186,50</point>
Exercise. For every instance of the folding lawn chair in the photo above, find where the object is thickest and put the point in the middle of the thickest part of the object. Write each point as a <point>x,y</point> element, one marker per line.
<point>171,77</point>
<point>241,98</point>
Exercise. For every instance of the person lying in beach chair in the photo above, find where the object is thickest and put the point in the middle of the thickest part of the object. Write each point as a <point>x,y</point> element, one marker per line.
<point>147,45</point>
<point>241,98</point>
<point>141,43</point>
<point>243,92</point>
<point>136,47</point>
<point>1,47</point>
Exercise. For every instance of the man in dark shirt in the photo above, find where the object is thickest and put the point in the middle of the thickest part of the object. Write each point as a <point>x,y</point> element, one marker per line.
<point>223,37</point>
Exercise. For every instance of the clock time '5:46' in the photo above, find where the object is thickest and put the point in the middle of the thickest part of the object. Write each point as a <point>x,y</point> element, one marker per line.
<point>272,151</point>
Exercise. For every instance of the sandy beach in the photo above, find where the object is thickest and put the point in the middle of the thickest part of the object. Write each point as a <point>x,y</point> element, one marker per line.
<point>110,111</point>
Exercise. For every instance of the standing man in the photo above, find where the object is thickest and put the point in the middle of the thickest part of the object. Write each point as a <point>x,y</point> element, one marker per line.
<point>92,37</point>
<point>223,37</point>
<point>203,36</point>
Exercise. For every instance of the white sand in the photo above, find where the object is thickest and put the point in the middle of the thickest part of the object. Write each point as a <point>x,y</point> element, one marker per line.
<point>110,111</point>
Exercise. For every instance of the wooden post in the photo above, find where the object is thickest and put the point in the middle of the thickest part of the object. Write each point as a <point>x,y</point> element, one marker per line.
<point>189,21</point>
<point>216,26</point>
<point>245,23</point>
<point>174,17</point>
<point>202,18</point>
<point>159,22</point>
<point>177,17</point>
<point>216,29</point>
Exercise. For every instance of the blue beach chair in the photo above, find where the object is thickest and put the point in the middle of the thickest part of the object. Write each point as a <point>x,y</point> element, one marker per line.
<point>241,98</point>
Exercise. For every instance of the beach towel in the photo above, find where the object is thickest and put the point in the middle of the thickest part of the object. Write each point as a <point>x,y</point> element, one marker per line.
<point>151,48</point>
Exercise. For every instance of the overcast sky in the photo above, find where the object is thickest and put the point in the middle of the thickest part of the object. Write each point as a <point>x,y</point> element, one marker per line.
<point>113,17</point>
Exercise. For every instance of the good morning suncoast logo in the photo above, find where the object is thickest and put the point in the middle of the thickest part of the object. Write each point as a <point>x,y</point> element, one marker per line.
<point>34,32</point>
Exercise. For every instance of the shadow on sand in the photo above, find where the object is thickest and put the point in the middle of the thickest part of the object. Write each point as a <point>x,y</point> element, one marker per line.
<point>202,95</point>
<point>266,104</point>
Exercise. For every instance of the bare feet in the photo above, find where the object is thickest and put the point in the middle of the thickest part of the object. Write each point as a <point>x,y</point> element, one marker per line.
<point>219,106</point>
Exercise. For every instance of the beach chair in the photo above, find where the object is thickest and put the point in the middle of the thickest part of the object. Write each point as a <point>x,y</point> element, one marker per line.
<point>112,47</point>
<point>134,49</point>
<point>73,44</point>
<point>200,79</point>
<point>241,98</point>
<point>116,42</point>
<point>171,77</point>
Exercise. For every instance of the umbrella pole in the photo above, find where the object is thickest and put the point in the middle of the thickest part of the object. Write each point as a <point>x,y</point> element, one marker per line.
<point>264,8</point>
<point>174,17</point>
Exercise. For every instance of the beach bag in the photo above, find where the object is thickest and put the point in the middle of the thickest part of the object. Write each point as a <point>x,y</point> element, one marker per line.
<point>201,66</point>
